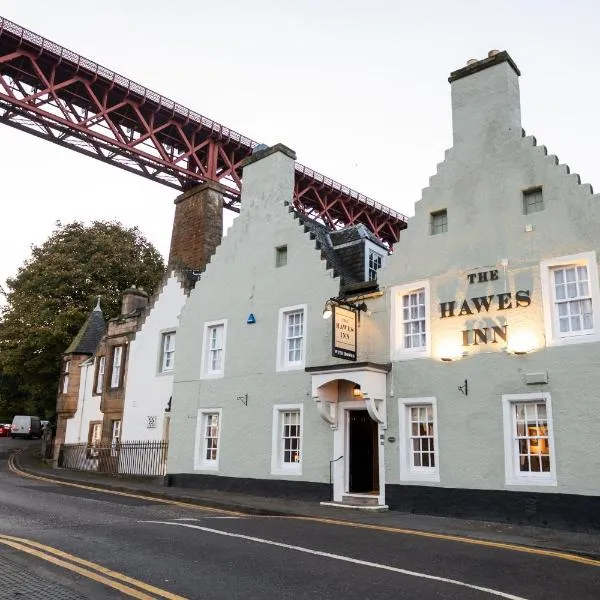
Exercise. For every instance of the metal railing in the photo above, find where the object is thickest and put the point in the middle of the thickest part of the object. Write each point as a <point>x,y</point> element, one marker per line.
<point>143,458</point>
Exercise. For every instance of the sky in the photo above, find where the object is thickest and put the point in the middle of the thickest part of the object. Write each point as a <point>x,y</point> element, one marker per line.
<point>358,89</point>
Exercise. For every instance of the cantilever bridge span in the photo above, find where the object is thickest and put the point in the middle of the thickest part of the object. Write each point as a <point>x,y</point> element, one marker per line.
<point>53,93</point>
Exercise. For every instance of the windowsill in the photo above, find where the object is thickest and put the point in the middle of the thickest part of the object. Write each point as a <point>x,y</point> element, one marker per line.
<point>433,477</point>
<point>294,367</point>
<point>398,356</point>
<point>206,467</point>
<point>287,471</point>
<point>218,375</point>
<point>584,338</point>
<point>163,373</point>
<point>532,481</point>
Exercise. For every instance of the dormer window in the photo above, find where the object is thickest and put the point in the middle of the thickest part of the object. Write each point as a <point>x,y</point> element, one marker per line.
<point>374,260</point>
<point>375,263</point>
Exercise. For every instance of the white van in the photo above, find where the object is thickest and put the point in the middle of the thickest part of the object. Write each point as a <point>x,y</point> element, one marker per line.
<point>26,426</point>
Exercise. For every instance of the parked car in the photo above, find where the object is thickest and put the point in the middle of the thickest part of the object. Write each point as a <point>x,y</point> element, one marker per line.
<point>4,429</point>
<point>26,426</point>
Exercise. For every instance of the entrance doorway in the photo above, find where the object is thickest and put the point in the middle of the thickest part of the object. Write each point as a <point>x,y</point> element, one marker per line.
<point>363,451</point>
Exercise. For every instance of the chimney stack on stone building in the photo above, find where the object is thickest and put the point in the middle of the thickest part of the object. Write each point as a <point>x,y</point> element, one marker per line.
<point>197,226</point>
<point>135,300</point>
<point>486,105</point>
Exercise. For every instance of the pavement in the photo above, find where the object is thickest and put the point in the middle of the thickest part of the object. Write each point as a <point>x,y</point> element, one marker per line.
<point>547,538</point>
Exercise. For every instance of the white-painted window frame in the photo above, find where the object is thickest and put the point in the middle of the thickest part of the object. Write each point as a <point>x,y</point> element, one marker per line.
<point>409,472</point>
<point>100,375</point>
<point>116,366</point>
<point>398,351</point>
<point>371,248</point>
<point>206,370</point>
<point>553,335</point>
<point>168,346</point>
<point>201,463</point>
<point>282,362</point>
<point>65,381</point>
<point>278,466</point>
<point>513,476</point>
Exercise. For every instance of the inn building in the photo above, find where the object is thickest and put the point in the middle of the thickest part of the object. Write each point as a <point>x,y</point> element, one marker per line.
<point>459,373</point>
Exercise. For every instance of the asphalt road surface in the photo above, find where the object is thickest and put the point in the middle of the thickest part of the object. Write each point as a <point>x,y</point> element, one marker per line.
<point>64,542</point>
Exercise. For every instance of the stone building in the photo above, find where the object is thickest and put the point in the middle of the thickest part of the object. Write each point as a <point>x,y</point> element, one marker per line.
<point>471,388</point>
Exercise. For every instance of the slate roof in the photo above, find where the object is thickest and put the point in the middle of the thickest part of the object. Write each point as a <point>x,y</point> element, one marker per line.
<point>90,334</point>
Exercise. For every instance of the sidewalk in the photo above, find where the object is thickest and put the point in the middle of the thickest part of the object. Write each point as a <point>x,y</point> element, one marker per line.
<point>585,544</point>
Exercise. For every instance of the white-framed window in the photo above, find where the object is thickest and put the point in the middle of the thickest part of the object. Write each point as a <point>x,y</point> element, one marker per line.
<point>100,374</point>
<point>419,448</point>
<point>167,361</point>
<point>570,297</point>
<point>213,349</point>
<point>410,330</point>
<point>65,382</point>
<point>286,457</point>
<point>291,338</point>
<point>115,374</point>
<point>374,260</point>
<point>115,436</point>
<point>208,438</point>
<point>528,439</point>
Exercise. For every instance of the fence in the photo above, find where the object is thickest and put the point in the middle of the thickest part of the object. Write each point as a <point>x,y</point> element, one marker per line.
<point>120,458</point>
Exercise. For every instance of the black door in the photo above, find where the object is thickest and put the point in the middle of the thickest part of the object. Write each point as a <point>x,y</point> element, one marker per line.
<point>364,458</point>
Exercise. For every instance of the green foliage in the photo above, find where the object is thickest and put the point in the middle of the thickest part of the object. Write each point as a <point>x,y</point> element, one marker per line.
<point>52,295</point>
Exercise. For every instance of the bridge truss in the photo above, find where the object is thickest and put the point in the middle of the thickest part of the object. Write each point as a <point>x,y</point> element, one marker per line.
<point>53,93</point>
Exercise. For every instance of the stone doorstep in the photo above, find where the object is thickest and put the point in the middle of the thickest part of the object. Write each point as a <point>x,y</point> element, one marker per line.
<point>362,507</point>
<point>369,502</point>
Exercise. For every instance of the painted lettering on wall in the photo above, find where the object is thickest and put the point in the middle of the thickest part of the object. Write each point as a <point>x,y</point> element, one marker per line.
<point>481,305</point>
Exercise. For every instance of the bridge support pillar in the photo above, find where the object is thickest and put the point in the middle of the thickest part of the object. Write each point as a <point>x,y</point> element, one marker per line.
<point>197,226</point>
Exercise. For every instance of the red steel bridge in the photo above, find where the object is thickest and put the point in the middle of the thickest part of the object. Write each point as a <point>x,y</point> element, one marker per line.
<point>55,94</point>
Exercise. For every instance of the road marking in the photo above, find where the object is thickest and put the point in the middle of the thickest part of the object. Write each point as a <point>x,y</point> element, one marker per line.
<point>14,468</point>
<point>88,569</point>
<point>398,530</point>
<point>342,558</point>
<point>456,538</point>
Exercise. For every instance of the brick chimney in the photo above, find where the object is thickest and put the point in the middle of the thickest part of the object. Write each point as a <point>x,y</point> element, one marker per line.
<point>134,300</point>
<point>197,226</point>
<point>486,105</point>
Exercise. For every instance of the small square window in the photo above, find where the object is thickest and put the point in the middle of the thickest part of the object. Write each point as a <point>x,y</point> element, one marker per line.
<point>439,222</point>
<point>533,201</point>
<point>281,256</point>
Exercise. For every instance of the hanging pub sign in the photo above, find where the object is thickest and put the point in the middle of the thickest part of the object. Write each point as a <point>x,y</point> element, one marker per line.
<point>344,333</point>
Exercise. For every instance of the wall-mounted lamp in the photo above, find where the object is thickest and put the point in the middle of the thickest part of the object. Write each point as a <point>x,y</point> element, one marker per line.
<point>251,319</point>
<point>464,388</point>
<point>328,308</point>
<point>356,391</point>
<point>450,350</point>
<point>522,342</point>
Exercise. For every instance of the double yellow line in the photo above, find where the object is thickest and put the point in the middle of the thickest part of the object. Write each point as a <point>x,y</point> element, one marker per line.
<point>568,556</point>
<point>127,585</point>
<point>14,468</point>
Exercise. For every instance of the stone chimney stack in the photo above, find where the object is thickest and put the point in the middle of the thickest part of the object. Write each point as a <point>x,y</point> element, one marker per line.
<point>486,105</point>
<point>197,226</point>
<point>134,300</point>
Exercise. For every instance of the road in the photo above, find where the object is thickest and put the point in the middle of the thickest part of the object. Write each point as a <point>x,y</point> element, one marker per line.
<point>120,546</point>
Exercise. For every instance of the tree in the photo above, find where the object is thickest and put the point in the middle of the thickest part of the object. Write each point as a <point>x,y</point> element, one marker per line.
<point>52,295</point>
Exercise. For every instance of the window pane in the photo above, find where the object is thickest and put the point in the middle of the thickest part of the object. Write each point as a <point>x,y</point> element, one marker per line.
<point>421,441</point>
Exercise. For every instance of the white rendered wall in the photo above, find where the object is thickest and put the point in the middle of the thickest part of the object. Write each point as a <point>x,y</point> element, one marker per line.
<point>88,407</point>
<point>148,389</point>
